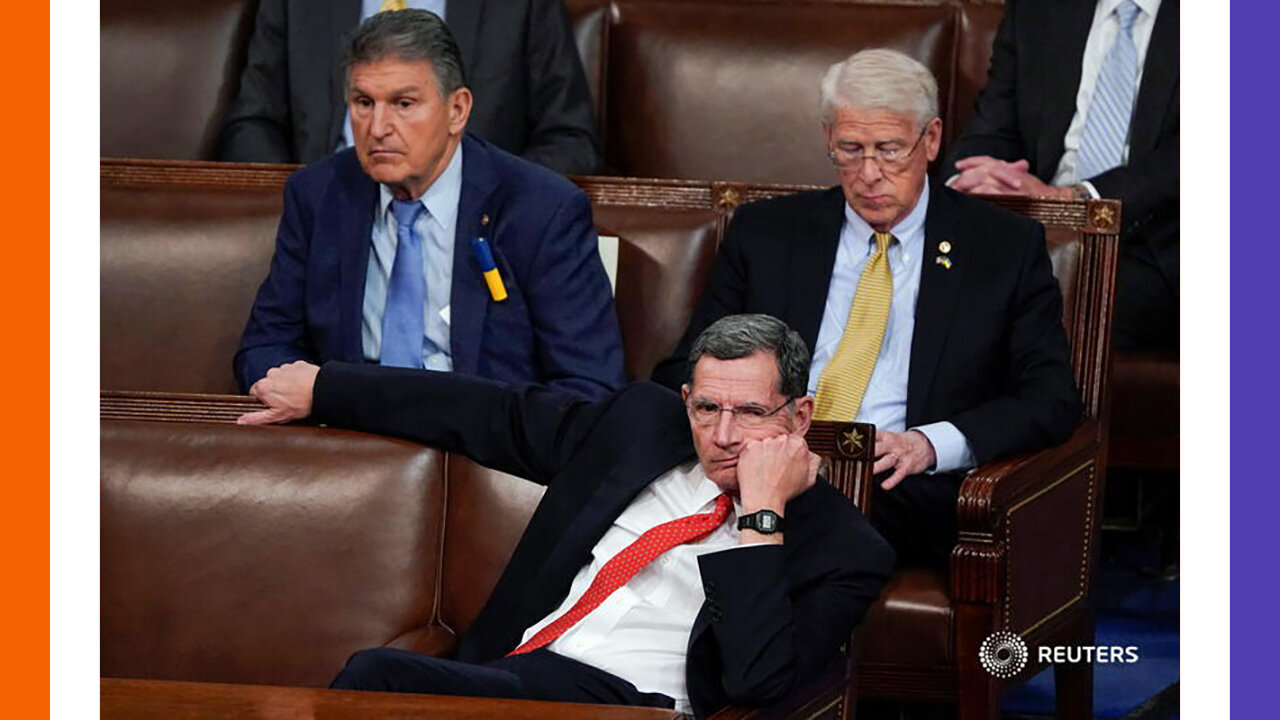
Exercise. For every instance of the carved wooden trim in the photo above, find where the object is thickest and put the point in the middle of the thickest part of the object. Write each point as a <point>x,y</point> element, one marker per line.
<point>174,407</point>
<point>848,453</point>
<point>142,172</point>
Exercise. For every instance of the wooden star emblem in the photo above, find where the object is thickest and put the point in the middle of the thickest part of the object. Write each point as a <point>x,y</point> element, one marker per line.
<point>852,442</point>
<point>1104,217</point>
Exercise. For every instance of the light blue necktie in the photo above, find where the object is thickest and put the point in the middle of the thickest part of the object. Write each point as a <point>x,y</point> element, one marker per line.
<point>1107,127</point>
<point>402,320</point>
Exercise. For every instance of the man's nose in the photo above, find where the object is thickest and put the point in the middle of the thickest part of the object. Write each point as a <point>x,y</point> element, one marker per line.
<point>869,173</point>
<point>380,121</point>
<point>726,430</point>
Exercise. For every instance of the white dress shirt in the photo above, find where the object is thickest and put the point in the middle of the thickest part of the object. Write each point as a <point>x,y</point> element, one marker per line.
<point>641,632</point>
<point>436,229</point>
<point>885,402</point>
<point>1102,34</point>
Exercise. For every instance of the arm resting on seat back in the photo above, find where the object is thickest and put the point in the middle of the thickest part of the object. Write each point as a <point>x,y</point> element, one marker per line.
<point>529,431</point>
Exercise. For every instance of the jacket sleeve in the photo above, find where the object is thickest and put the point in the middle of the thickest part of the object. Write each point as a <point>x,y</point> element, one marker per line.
<point>1148,187</point>
<point>276,333</point>
<point>1041,405</point>
<point>993,127</point>
<point>560,118</point>
<point>571,306</point>
<point>530,431</point>
<point>772,637</point>
<point>257,126</point>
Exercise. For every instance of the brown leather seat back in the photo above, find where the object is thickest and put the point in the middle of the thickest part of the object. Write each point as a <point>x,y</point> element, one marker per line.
<point>169,70</point>
<point>590,19</point>
<point>724,89</point>
<point>263,555</point>
<point>1065,245</point>
<point>487,513</point>
<point>664,256</point>
<point>179,268</point>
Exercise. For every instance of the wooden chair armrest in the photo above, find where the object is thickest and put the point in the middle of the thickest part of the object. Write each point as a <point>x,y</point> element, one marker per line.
<point>991,494</point>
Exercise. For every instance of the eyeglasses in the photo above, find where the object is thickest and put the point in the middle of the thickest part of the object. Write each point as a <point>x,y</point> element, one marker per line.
<point>891,158</point>
<point>747,416</point>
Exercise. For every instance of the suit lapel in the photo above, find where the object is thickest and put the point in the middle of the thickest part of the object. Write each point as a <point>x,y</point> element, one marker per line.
<point>344,15</point>
<point>814,257</point>
<point>1159,80</point>
<point>1062,61</point>
<point>353,228</point>
<point>463,19</point>
<point>469,297</point>
<point>936,303</point>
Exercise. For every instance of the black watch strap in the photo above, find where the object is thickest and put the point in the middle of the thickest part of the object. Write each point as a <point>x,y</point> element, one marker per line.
<point>765,522</point>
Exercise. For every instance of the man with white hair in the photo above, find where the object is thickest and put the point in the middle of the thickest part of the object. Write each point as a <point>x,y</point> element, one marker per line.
<point>930,314</point>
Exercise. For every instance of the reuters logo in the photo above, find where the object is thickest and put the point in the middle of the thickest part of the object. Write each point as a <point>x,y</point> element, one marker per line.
<point>1003,654</point>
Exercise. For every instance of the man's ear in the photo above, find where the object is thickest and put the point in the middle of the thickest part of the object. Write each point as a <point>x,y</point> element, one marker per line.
<point>684,392</point>
<point>459,103</point>
<point>803,415</point>
<point>933,138</point>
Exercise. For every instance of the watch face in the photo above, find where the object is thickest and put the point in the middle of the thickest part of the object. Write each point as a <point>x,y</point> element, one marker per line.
<point>767,521</point>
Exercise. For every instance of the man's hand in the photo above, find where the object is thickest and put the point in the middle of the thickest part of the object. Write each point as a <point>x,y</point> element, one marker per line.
<point>774,470</point>
<point>983,174</point>
<point>907,453</point>
<point>286,391</point>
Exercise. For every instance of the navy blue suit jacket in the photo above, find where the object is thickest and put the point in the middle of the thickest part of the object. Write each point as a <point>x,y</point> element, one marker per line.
<point>558,325</point>
<point>774,615</point>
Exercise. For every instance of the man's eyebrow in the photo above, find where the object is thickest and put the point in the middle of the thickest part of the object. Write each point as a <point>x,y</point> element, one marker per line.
<point>406,90</point>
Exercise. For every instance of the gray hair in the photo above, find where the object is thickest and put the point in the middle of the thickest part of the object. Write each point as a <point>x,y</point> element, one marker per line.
<point>411,36</point>
<point>738,336</point>
<point>880,79</point>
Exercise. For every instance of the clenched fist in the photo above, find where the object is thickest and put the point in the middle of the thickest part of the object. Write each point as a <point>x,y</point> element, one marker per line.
<point>773,470</point>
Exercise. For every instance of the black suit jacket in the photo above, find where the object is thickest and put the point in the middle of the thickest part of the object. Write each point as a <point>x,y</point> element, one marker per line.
<point>1030,97</point>
<point>523,68</point>
<point>774,615</point>
<point>989,353</point>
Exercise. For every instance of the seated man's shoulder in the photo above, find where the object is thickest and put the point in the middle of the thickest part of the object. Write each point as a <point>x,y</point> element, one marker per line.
<point>525,182</point>
<point>987,218</point>
<point>786,208</point>
<point>342,167</point>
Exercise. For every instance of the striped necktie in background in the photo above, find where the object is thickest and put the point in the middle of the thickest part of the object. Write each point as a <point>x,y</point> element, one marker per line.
<point>1106,130</point>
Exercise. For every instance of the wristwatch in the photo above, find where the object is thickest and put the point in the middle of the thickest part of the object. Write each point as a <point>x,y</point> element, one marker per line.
<point>765,522</point>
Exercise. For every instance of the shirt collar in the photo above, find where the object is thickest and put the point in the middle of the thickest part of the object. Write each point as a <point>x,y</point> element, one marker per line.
<point>1149,7</point>
<point>441,199</point>
<point>905,231</point>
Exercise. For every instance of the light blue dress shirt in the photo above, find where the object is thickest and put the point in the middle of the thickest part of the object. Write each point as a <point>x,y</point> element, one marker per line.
<point>885,402</point>
<point>436,228</point>
<point>369,8</point>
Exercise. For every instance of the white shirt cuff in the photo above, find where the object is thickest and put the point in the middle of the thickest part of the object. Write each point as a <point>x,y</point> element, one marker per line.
<point>951,179</point>
<point>1092,190</point>
<point>950,447</point>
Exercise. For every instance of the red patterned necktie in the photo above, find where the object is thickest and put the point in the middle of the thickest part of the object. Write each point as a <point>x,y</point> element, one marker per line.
<point>623,566</point>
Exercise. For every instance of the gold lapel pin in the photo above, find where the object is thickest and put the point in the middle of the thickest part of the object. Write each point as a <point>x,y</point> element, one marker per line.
<point>944,247</point>
<point>484,220</point>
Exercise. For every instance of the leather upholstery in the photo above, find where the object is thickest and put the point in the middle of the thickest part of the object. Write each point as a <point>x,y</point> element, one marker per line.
<point>169,70</point>
<point>235,554</point>
<point>911,623</point>
<point>487,513</point>
<point>707,89</point>
<point>664,257</point>
<point>1144,418</point>
<point>179,269</point>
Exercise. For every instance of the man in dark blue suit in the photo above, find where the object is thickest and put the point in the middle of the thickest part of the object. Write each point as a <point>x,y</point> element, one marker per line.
<point>685,553</point>
<point>377,259</point>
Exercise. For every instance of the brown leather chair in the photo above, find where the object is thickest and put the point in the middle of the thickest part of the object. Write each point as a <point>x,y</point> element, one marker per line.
<point>251,555</point>
<point>169,70</point>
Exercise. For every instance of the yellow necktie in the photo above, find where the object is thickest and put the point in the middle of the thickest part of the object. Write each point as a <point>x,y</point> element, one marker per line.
<point>391,5</point>
<point>844,380</point>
